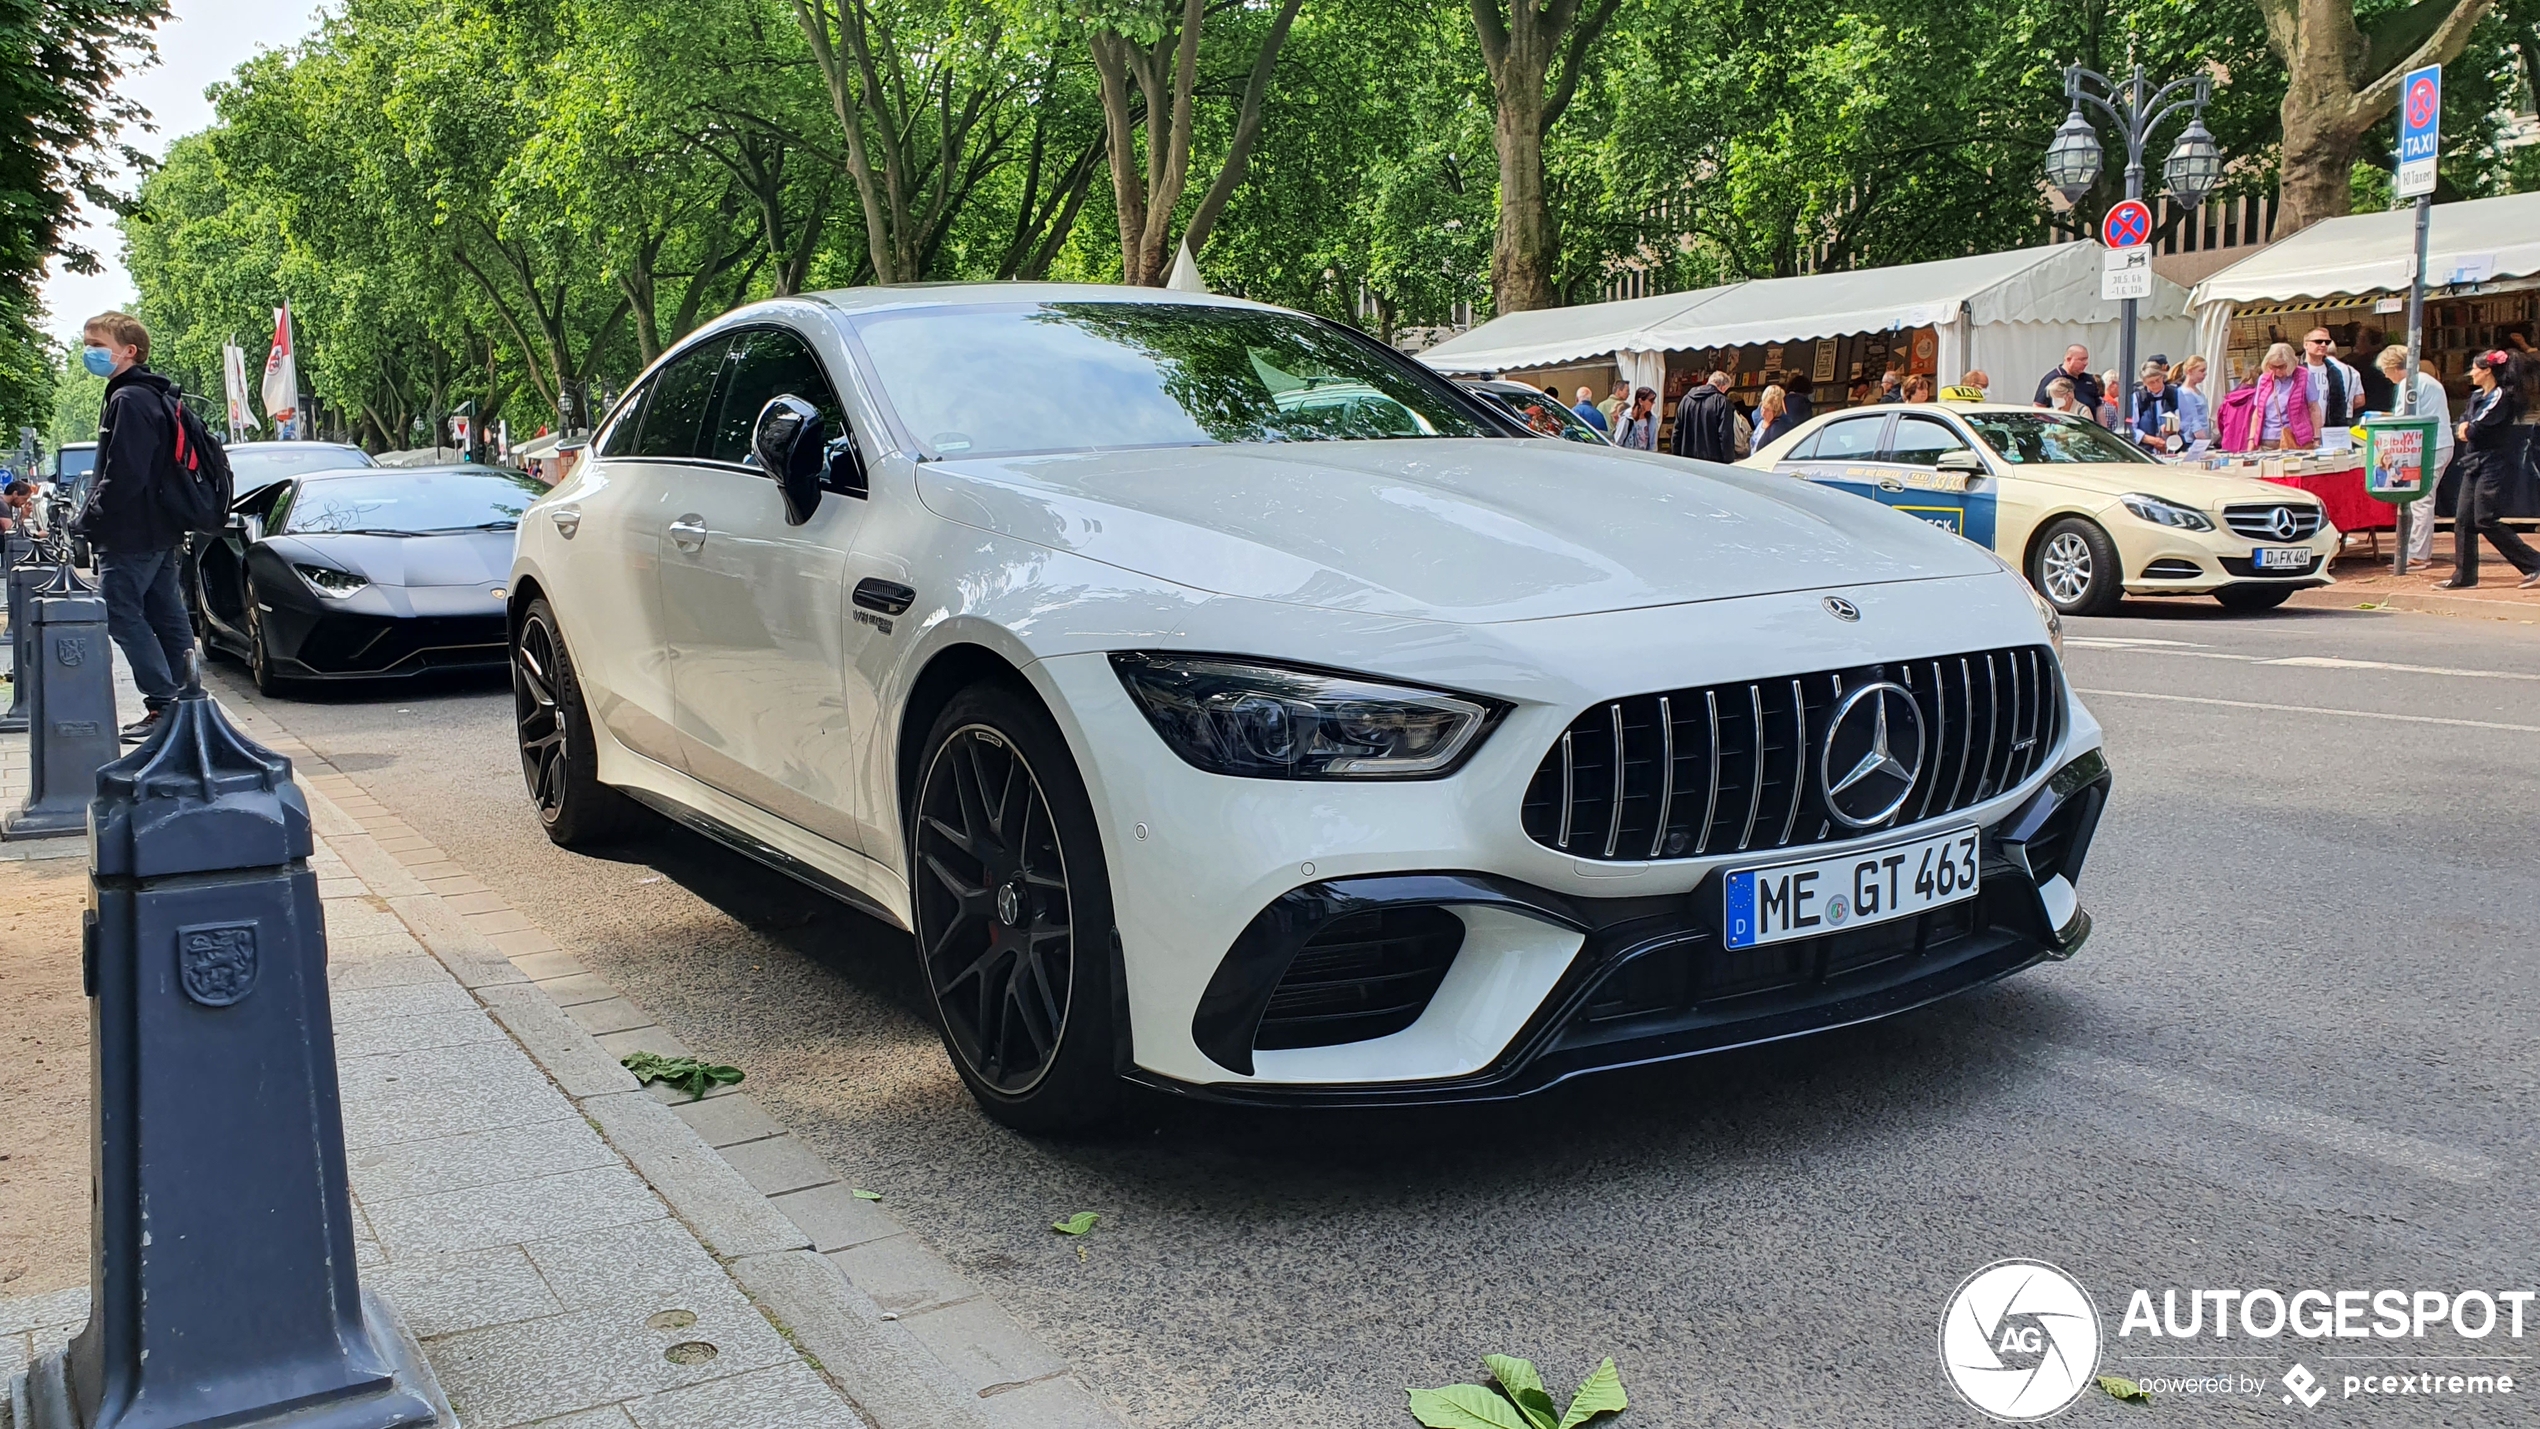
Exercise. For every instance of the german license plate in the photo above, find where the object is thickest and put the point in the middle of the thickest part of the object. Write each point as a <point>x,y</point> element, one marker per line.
<point>2282,558</point>
<point>1813,897</point>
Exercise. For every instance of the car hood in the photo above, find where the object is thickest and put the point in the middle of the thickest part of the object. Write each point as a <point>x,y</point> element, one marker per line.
<point>1457,530</point>
<point>2193,485</point>
<point>455,558</point>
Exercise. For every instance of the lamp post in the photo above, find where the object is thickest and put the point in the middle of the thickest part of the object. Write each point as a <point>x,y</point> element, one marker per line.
<point>2192,170</point>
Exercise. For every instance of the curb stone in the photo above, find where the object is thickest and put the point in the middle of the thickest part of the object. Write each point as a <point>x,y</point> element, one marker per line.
<point>959,1362</point>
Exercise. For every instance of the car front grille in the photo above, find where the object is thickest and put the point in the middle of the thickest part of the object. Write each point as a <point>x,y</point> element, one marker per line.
<point>363,644</point>
<point>1364,975</point>
<point>2274,521</point>
<point>1730,768</point>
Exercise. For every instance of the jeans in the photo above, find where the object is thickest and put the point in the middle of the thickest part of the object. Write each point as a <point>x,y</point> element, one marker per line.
<point>2474,515</point>
<point>145,615</point>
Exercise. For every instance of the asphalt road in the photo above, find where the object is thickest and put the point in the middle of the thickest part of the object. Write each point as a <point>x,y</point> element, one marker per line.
<point>2297,1053</point>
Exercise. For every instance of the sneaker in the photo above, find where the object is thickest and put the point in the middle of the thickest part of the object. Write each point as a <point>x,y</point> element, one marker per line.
<point>2455,585</point>
<point>2530,582</point>
<point>144,727</point>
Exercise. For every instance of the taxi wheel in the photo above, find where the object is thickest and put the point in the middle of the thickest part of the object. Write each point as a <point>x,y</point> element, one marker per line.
<point>2075,568</point>
<point>2253,597</point>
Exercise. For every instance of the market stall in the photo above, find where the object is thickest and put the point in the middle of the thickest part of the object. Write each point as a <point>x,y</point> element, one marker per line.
<point>2010,314</point>
<point>2350,276</point>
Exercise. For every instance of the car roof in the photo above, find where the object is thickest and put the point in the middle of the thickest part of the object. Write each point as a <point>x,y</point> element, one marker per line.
<point>452,468</point>
<point>294,445</point>
<point>950,295</point>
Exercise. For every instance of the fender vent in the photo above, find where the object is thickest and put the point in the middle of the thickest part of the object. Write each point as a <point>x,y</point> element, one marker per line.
<point>1366,975</point>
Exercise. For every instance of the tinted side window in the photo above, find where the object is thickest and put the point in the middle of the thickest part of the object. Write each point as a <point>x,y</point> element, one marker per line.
<point>764,365</point>
<point>676,411</point>
<point>1920,441</point>
<point>619,439</point>
<point>1852,439</point>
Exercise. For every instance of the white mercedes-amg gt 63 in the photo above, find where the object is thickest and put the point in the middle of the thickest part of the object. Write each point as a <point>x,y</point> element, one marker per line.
<point>1225,702</point>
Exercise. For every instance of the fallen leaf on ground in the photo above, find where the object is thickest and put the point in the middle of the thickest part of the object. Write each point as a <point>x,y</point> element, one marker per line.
<point>862,1194</point>
<point>688,1074</point>
<point>1076,1224</point>
<point>2124,1389</point>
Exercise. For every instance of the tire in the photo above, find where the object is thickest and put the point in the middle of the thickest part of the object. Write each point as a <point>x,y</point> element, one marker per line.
<point>1007,876</point>
<point>558,758</point>
<point>2075,568</point>
<point>2253,597</point>
<point>260,664</point>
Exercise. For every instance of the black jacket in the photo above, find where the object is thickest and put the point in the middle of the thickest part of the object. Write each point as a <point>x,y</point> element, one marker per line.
<point>1705,425</point>
<point>2085,387</point>
<point>135,441</point>
<point>2492,428</point>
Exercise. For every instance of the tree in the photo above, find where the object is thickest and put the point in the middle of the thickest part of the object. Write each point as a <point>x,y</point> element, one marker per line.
<point>2341,80</point>
<point>1158,49</point>
<point>1526,43</point>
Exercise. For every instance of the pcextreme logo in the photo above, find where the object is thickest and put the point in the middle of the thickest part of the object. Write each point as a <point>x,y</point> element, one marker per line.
<point>2019,1340</point>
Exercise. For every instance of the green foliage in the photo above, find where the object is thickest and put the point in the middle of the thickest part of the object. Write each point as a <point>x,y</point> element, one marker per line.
<point>79,398</point>
<point>2124,1391</point>
<point>1076,1224</point>
<point>1520,1401</point>
<point>688,1074</point>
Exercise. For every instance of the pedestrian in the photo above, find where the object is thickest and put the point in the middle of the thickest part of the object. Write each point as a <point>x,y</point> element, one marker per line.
<point>126,521</point>
<point>2337,390</point>
<point>1706,422</point>
<point>2063,396</point>
<point>2076,370</point>
<point>1772,416</point>
<point>2276,411</point>
<point>18,513</point>
<point>2485,437</point>
<point>1638,430</point>
<point>1616,406</point>
<point>2106,412</point>
<point>1799,395</point>
<point>2423,398</point>
<point>1588,413</point>
<point>2156,420</point>
<point>1891,386</point>
<point>2195,413</point>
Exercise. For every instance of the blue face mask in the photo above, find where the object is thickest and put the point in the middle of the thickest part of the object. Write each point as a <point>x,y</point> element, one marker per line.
<point>97,360</point>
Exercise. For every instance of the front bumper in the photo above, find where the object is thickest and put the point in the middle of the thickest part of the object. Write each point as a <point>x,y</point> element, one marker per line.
<point>390,633</point>
<point>2159,560</point>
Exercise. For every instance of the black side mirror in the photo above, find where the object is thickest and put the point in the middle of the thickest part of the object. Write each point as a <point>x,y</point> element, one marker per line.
<point>789,445</point>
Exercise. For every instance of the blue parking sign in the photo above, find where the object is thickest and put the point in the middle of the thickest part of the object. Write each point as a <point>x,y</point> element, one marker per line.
<point>2420,130</point>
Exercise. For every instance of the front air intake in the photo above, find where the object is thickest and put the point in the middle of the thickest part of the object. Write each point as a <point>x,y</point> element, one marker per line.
<point>1365,975</point>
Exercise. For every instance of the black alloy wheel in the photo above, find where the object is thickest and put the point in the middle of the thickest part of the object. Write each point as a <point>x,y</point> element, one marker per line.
<point>260,663</point>
<point>1013,913</point>
<point>556,756</point>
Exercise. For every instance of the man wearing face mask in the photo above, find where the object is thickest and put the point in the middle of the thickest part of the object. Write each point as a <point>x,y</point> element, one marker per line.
<point>127,523</point>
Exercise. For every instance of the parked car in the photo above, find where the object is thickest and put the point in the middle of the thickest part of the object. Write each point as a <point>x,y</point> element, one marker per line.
<point>73,471</point>
<point>1542,415</point>
<point>364,574</point>
<point>1227,703</point>
<point>2089,516</point>
<point>256,465</point>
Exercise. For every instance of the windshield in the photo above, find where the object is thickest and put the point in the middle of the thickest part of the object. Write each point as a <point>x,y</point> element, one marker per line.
<point>76,462</point>
<point>1544,416</point>
<point>406,501</point>
<point>2051,439</point>
<point>1009,380</point>
<point>257,467</point>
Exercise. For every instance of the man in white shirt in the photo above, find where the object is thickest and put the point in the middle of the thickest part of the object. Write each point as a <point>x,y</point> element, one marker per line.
<point>2337,390</point>
<point>2428,400</point>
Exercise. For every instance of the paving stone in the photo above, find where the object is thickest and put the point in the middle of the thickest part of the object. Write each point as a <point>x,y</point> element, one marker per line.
<point>779,1164</point>
<point>578,1063</point>
<point>460,883</point>
<point>613,1014</point>
<point>674,1098</point>
<point>835,1217</point>
<point>510,1212</point>
<point>729,1215</point>
<point>474,902</point>
<point>415,1034</point>
<point>529,940</point>
<point>422,872</point>
<point>543,966</point>
<point>454,1163</point>
<point>357,1004</point>
<point>445,1294</point>
<point>389,1099</point>
<point>1061,1403</point>
<point>903,1275</point>
<point>979,1342</point>
<point>883,1367</point>
<point>642,1039</point>
<point>788,1397</point>
<point>472,960</point>
<point>409,970</point>
<point>392,842</point>
<point>44,1312</point>
<point>721,1121</point>
<point>514,1374</point>
<point>607,1416</point>
<point>575,987</point>
<point>504,920</point>
<point>655,1263</point>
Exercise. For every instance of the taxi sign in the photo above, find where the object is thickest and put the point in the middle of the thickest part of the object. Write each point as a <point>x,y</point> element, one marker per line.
<point>2127,224</point>
<point>2420,130</point>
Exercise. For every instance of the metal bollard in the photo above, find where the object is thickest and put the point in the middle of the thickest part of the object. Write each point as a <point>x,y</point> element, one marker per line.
<point>70,709</point>
<point>24,576</point>
<point>223,1287</point>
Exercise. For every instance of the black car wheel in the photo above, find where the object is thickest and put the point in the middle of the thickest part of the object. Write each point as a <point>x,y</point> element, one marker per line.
<point>2253,597</point>
<point>260,661</point>
<point>557,758</point>
<point>1012,905</point>
<point>2075,568</point>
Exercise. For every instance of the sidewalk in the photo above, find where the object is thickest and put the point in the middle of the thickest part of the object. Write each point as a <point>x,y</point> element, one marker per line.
<point>570,1248</point>
<point>2363,582</point>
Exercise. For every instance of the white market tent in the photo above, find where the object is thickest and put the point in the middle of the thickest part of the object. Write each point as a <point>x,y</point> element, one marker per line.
<point>2012,314</point>
<point>2482,241</point>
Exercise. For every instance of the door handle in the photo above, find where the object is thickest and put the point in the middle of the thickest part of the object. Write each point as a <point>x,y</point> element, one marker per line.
<point>1889,483</point>
<point>688,533</point>
<point>568,520</point>
<point>887,597</point>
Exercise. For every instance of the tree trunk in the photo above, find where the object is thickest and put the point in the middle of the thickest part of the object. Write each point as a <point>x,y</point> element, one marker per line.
<point>1524,44</point>
<point>2340,86</point>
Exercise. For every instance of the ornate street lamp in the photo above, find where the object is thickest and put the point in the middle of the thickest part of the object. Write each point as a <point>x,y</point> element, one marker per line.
<point>2192,170</point>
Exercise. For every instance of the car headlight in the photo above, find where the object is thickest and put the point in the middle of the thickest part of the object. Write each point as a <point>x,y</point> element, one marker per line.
<point>2166,513</point>
<point>2046,612</point>
<point>326,580</point>
<point>1261,721</point>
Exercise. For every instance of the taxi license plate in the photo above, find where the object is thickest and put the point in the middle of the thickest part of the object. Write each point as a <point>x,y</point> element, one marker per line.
<point>1813,897</point>
<point>2282,558</point>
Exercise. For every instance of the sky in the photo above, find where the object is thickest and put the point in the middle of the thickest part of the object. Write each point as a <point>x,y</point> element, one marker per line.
<point>199,45</point>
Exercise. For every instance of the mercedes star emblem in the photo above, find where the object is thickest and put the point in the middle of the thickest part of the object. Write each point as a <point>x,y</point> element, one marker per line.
<point>2280,521</point>
<point>1875,740</point>
<point>1842,609</point>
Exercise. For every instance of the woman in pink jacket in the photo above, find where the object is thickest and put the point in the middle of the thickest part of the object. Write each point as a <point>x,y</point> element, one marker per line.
<point>2279,414</point>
